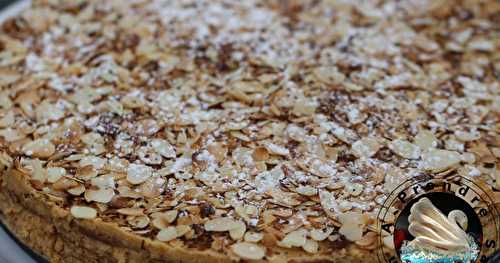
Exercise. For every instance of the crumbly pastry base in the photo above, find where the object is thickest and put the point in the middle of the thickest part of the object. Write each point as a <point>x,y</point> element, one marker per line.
<point>51,232</point>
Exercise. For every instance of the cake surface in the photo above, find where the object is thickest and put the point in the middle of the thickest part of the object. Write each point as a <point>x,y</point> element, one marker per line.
<point>221,131</point>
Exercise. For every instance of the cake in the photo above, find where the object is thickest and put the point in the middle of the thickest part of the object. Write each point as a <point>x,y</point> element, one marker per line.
<point>222,131</point>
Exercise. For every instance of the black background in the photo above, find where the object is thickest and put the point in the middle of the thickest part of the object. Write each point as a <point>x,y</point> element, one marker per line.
<point>4,3</point>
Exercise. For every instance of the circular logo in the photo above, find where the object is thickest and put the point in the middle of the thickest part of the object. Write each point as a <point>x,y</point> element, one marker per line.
<point>438,220</point>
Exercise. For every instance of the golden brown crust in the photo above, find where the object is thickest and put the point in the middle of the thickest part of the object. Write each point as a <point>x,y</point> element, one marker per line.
<point>53,233</point>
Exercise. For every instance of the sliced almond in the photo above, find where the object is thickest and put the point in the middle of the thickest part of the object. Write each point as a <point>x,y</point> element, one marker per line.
<point>276,149</point>
<point>7,120</point>
<point>131,211</point>
<point>351,232</point>
<point>295,238</point>
<point>182,230</point>
<point>55,173</point>
<point>163,220</point>
<point>40,148</point>
<point>39,173</point>
<point>103,195</point>
<point>329,203</point>
<point>306,190</point>
<point>138,221</point>
<point>238,232</point>
<point>96,162</point>
<point>77,190</point>
<point>248,251</point>
<point>352,225</point>
<point>167,234</point>
<point>468,136</point>
<point>367,240</point>
<point>437,160</point>
<point>253,237</point>
<point>83,212</point>
<point>260,154</point>
<point>319,235</point>
<point>311,246</point>
<point>366,147</point>
<point>221,224</point>
<point>138,173</point>
<point>164,148</point>
<point>218,150</point>
<point>329,75</point>
<point>405,149</point>
<point>425,139</point>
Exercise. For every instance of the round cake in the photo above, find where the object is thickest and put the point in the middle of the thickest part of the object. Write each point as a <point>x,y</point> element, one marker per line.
<point>226,131</point>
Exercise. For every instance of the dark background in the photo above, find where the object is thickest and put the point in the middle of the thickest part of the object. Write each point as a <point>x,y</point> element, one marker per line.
<point>4,3</point>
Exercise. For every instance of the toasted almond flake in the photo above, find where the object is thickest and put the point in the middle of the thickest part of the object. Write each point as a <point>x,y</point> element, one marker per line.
<point>131,211</point>
<point>425,139</point>
<point>5,101</point>
<point>351,232</point>
<point>366,147</point>
<point>103,195</point>
<point>405,149</point>
<point>164,148</point>
<point>248,251</point>
<point>132,102</point>
<point>240,95</point>
<point>496,151</point>
<point>468,136</point>
<point>356,218</point>
<point>328,75</point>
<point>367,240</point>
<point>218,150</point>
<point>48,112</point>
<point>469,158</point>
<point>103,181</point>
<point>138,221</point>
<point>334,238</point>
<point>354,189</point>
<point>221,224</point>
<point>7,120</point>
<point>311,246</point>
<point>167,234</point>
<point>296,133</point>
<point>238,232</point>
<point>162,220</point>
<point>39,174</point>
<point>307,190</point>
<point>304,107</point>
<point>77,190</point>
<point>182,230</point>
<point>437,160</point>
<point>40,148</point>
<point>319,235</point>
<point>55,173</point>
<point>253,237</point>
<point>276,149</point>
<point>83,212</point>
<point>138,173</point>
<point>260,154</point>
<point>295,238</point>
<point>11,135</point>
<point>96,162</point>
<point>329,203</point>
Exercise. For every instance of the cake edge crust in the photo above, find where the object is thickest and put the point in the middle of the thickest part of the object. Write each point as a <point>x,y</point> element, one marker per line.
<point>53,233</point>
